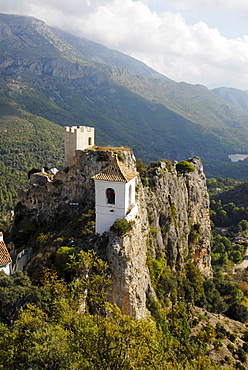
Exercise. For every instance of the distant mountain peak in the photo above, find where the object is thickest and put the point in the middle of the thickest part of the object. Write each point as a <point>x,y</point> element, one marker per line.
<point>73,81</point>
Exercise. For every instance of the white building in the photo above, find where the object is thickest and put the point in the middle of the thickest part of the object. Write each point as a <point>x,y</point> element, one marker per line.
<point>114,195</point>
<point>77,138</point>
<point>5,259</point>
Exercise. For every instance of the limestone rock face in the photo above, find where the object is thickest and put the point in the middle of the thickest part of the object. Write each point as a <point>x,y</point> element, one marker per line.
<point>172,219</point>
<point>178,209</point>
<point>127,255</point>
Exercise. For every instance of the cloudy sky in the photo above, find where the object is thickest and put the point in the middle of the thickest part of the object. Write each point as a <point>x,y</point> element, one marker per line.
<point>196,41</point>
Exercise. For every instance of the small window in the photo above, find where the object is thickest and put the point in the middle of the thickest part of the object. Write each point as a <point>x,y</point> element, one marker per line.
<point>130,195</point>
<point>110,194</point>
<point>89,141</point>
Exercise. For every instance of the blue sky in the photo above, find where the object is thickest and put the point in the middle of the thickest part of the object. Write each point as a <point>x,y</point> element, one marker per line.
<point>229,17</point>
<point>196,41</point>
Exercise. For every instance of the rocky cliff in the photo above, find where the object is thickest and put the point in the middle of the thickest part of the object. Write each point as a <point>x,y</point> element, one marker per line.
<point>173,219</point>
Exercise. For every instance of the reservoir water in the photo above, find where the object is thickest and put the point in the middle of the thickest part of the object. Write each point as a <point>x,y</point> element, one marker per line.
<point>237,157</point>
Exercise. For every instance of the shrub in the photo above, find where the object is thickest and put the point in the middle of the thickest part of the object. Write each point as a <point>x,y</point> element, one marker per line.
<point>231,348</point>
<point>141,167</point>
<point>121,157</point>
<point>238,312</point>
<point>195,234</point>
<point>144,181</point>
<point>239,366</point>
<point>62,256</point>
<point>232,336</point>
<point>121,226</point>
<point>241,355</point>
<point>245,347</point>
<point>245,336</point>
<point>153,231</point>
<point>185,167</point>
<point>221,332</point>
<point>228,359</point>
<point>217,344</point>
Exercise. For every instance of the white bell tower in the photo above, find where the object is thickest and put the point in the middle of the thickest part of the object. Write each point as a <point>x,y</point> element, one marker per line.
<point>114,195</point>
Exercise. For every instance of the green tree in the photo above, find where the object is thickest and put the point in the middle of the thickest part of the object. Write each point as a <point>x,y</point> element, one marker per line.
<point>91,279</point>
<point>119,342</point>
<point>195,280</point>
<point>243,225</point>
<point>35,343</point>
<point>185,167</point>
<point>16,291</point>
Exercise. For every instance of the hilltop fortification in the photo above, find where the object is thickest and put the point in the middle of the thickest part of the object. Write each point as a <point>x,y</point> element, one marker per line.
<point>171,217</point>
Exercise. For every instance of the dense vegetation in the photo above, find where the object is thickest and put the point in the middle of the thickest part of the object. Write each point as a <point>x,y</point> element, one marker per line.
<point>26,142</point>
<point>49,330</point>
<point>58,317</point>
<point>61,320</point>
<point>220,184</point>
<point>230,242</point>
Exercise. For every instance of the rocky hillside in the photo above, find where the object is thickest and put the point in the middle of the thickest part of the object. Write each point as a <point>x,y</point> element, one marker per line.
<point>237,97</point>
<point>172,224</point>
<point>65,79</point>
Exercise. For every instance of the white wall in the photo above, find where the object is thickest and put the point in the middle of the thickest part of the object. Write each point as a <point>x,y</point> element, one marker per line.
<point>128,200</point>
<point>6,269</point>
<point>83,135</point>
<point>106,213</point>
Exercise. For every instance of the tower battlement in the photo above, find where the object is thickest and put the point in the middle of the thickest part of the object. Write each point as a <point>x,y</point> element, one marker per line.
<point>74,129</point>
<point>77,138</point>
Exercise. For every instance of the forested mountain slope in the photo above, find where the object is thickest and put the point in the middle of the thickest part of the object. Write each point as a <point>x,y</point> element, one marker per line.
<point>48,74</point>
<point>27,141</point>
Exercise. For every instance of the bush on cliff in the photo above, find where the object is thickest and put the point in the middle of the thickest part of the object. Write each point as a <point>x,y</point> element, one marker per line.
<point>121,226</point>
<point>184,167</point>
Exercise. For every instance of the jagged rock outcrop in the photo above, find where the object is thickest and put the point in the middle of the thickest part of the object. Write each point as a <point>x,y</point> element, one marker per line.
<point>178,209</point>
<point>70,191</point>
<point>173,219</point>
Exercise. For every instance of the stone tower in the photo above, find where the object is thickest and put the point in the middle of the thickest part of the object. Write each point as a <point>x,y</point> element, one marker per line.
<point>114,195</point>
<point>77,138</point>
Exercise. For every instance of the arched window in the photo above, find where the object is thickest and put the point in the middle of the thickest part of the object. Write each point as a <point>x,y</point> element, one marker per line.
<point>110,195</point>
<point>130,195</point>
<point>89,141</point>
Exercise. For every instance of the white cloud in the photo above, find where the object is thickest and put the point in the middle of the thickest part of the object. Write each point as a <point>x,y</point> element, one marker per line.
<point>191,52</point>
<point>237,5</point>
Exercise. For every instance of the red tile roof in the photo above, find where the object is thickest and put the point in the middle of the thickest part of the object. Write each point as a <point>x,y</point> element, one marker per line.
<point>117,172</point>
<point>4,254</point>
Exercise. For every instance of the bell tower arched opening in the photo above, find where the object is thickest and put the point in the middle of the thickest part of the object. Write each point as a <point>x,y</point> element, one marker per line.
<point>110,196</point>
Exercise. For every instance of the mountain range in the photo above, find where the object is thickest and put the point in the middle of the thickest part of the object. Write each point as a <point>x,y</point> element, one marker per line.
<point>50,79</point>
<point>237,97</point>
